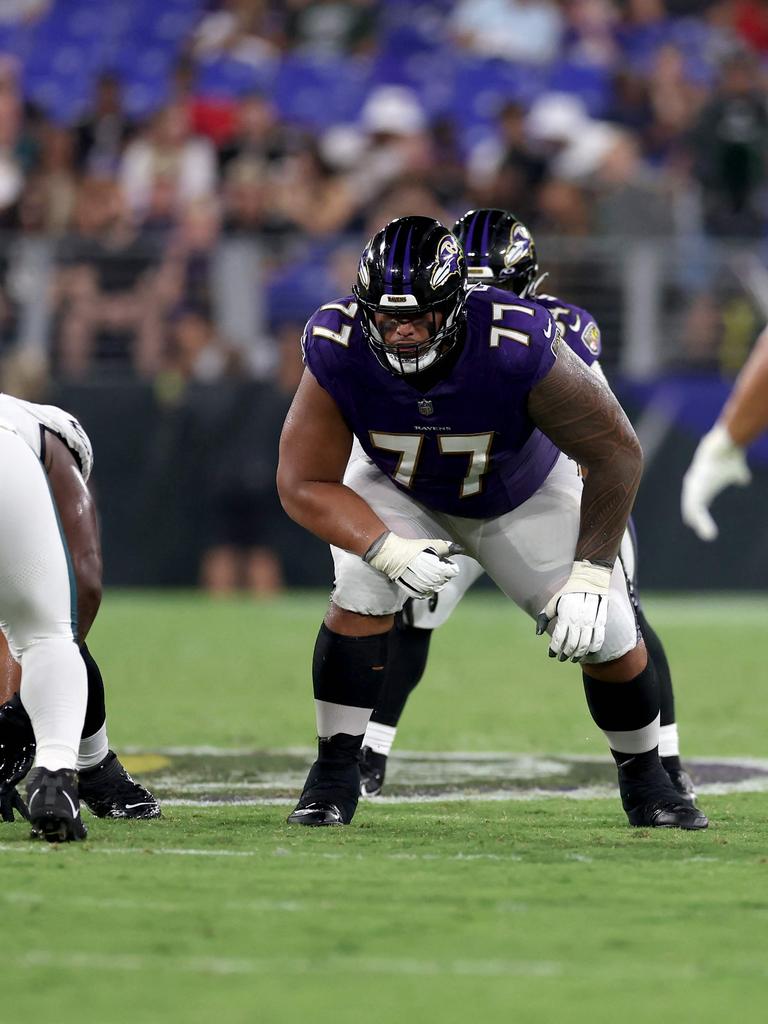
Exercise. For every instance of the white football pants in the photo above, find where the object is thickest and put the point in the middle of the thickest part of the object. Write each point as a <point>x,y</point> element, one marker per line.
<point>527,552</point>
<point>38,605</point>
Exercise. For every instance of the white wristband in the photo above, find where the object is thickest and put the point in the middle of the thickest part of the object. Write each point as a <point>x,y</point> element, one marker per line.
<point>588,578</point>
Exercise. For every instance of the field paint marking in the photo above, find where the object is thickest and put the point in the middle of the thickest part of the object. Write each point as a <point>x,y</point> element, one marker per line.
<point>129,962</point>
<point>47,850</point>
<point>519,796</point>
<point>426,755</point>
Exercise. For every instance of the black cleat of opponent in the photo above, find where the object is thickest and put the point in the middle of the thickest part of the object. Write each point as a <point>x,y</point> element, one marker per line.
<point>17,752</point>
<point>651,801</point>
<point>373,768</point>
<point>54,807</point>
<point>109,792</point>
<point>332,788</point>
<point>680,779</point>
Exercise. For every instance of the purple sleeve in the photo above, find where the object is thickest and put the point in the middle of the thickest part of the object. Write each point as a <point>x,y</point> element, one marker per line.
<point>326,340</point>
<point>543,342</point>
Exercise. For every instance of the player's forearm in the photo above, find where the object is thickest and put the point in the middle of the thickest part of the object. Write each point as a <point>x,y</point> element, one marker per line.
<point>609,493</point>
<point>745,415</point>
<point>334,513</point>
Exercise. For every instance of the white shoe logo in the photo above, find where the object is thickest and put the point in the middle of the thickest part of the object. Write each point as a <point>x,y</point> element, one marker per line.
<point>75,810</point>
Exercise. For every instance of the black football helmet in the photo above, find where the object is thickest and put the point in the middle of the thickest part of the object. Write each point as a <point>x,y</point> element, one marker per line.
<point>499,250</point>
<point>412,267</point>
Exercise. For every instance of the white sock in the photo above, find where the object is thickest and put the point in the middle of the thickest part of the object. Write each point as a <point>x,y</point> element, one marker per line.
<point>380,737</point>
<point>669,744</point>
<point>54,692</point>
<point>333,718</point>
<point>634,741</point>
<point>93,748</point>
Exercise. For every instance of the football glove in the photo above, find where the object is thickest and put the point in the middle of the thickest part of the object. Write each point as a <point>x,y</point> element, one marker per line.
<point>421,567</point>
<point>717,463</point>
<point>581,608</point>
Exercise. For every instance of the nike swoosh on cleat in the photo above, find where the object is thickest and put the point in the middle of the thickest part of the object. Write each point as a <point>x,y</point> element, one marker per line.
<point>145,803</point>
<point>75,810</point>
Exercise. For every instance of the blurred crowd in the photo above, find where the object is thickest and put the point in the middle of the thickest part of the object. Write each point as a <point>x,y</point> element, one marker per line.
<point>193,237</point>
<point>182,182</point>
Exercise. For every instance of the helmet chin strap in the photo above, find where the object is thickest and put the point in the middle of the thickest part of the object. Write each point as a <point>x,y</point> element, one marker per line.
<point>531,290</point>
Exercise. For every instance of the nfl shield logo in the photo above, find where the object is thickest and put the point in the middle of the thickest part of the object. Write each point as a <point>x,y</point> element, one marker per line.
<point>425,407</point>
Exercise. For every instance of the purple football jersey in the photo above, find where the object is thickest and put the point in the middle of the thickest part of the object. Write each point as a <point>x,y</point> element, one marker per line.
<point>467,446</point>
<point>577,326</point>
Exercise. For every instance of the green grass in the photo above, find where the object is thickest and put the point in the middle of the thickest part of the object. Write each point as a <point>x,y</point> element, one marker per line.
<point>542,911</point>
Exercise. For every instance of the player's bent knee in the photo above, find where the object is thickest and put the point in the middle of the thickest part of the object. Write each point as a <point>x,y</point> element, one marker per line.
<point>622,669</point>
<point>349,623</point>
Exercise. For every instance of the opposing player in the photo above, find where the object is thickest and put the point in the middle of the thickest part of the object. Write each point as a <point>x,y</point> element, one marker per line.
<point>37,615</point>
<point>464,405</point>
<point>720,460</point>
<point>61,445</point>
<point>500,251</point>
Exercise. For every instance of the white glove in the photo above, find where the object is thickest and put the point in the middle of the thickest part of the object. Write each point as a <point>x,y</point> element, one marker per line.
<point>581,607</point>
<point>421,567</point>
<point>717,463</point>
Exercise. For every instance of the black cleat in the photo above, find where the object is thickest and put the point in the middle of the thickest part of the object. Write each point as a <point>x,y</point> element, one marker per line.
<point>683,783</point>
<point>54,808</point>
<point>332,788</point>
<point>108,791</point>
<point>318,813</point>
<point>373,768</point>
<point>17,752</point>
<point>651,801</point>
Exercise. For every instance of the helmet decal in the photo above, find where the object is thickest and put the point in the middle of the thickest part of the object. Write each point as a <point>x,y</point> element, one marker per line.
<point>448,261</point>
<point>519,245</point>
<point>363,273</point>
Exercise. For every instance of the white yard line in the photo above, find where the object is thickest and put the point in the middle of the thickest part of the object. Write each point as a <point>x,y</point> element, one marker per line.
<point>343,965</point>
<point>43,849</point>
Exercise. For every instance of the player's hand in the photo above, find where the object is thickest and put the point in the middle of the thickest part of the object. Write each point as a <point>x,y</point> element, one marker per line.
<point>10,801</point>
<point>717,463</point>
<point>581,611</point>
<point>421,567</point>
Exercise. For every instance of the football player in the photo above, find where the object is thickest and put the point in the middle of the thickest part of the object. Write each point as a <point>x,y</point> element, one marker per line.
<point>500,251</point>
<point>720,460</point>
<point>462,401</point>
<point>62,446</point>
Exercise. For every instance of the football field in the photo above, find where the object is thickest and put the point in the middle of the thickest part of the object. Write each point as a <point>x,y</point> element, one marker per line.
<point>497,884</point>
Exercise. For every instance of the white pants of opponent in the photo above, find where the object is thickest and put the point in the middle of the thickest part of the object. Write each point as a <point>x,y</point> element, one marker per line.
<point>38,605</point>
<point>527,552</point>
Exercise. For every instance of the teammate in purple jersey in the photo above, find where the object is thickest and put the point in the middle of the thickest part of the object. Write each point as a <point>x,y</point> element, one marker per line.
<point>500,251</point>
<point>462,401</point>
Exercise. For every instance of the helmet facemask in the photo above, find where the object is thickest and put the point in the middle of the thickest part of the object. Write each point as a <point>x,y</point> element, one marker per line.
<point>403,358</point>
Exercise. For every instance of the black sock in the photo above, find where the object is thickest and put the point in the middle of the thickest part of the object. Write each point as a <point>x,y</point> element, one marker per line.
<point>95,711</point>
<point>408,651</point>
<point>623,707</point>
<point>658,656</point>
<point>348,673</point>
